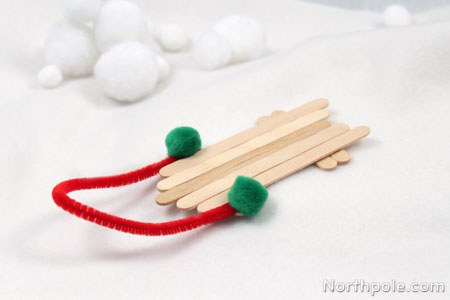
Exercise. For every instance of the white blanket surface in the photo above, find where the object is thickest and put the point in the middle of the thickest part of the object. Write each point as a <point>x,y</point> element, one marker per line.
<point>384,216</point>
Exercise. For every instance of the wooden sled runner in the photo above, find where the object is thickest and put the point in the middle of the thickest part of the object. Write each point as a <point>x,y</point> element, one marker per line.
<point>276,147</point>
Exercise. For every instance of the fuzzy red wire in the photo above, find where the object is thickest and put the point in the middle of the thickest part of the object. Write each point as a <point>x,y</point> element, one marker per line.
<point>125,225</point>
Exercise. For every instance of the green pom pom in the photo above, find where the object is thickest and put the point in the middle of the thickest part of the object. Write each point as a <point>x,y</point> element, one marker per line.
<point>247,195</point>
<point>183,142</point>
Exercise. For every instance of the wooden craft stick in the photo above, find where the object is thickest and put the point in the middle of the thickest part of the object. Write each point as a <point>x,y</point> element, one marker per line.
<point>242,137</point>
<point>327,164</point>
<point>193,199</point>
<point>310,157</point>
<point>277,113</point>
<point>214,202</point>
<point>242,152</point>
<point>262,120</point>
<point>296,164</point>
<point>342,157</point>
<point>331,162</point>
<point>192,185</point>
<point>274,114</point>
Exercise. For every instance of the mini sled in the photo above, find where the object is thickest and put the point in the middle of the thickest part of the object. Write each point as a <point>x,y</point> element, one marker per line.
<point>229,177</point>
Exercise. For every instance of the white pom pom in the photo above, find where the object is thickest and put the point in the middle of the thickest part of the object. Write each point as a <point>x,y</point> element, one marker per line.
<point>245,35</point>
<point>127,72</point>
<point>164,68</point>
<point>72,48</point>
<point>50,77</point>
<point>172,37</point>
<point>120,21</point>
<point>396,15</point>
<point>212,51</point>
<point>81,11</point>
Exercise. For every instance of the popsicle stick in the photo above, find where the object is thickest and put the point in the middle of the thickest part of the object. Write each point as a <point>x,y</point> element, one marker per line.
<point>342,157</point>
<point>192,185</point>
<point>193,199</point>
<point>330,163</point>
<point>299,162</point>
<point>327,164</point>
<point>243,152</point>
<point>242,137</point>
<point>277,113</point>
<point>296,164</point>
<point>216,201</point>
<point>262,119</point>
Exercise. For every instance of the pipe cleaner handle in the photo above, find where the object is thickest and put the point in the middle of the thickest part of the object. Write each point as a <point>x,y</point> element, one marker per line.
<point>125,225</point>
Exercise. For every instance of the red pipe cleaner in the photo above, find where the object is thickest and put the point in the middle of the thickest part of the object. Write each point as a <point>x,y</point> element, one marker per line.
<point>91,214</point>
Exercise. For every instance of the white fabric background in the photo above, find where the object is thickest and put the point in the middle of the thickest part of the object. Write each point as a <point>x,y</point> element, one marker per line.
<point>384,216</point>
<point>379,5</point>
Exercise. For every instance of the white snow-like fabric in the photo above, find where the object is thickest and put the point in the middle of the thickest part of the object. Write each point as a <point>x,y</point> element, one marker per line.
<point>72,48</point>
<point>127,72</point>
<point>212,51</point>
<point>120,21</point>
<point>173,37</point>
<point>246,36</point>
<point>384,215</point>
<point>50,76</point>
<point>396,15</point>
<point>163,67</point>
<point>81,11</point>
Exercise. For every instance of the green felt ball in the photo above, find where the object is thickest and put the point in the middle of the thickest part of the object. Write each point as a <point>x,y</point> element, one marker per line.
<point>183,141</point>
<point>247,195</point>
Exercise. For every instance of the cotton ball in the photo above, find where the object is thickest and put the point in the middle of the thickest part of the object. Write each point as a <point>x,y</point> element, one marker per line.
<point>81,11</point>
<point>120,21</point>
<point>173,38</point>
<point>246,36</point>
<point>127,71</point>
<point>72,48</point>
<point>212,51</point>
<point>164,68</point>
<point>396,15</point>
<point>50,77</point>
